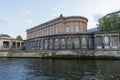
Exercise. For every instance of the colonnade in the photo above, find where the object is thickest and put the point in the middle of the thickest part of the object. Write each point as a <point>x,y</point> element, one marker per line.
<point>61,42</point>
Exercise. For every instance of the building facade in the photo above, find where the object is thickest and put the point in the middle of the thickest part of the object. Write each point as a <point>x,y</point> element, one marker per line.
<point>69,33</point>
<point>6,42</point>
<point>60,25</point>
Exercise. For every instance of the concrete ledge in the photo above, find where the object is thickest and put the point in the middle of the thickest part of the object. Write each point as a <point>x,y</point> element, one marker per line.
<point>68,54</point>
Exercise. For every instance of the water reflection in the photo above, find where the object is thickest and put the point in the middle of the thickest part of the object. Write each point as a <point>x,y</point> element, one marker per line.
<point>48,69</point>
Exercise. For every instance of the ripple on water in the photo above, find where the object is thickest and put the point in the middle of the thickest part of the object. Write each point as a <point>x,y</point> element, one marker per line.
<point>45,69</point>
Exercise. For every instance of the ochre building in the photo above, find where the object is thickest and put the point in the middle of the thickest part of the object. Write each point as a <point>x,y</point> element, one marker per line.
<point>60,25</point>
<point>69,33</point>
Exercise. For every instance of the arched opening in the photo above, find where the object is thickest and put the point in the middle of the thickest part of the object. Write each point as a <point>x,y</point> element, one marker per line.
<point>51,44</point>
<point>76,43</point>
<point>56,44</point>
<point>6,44</point>
<point>69,43</point>
<point>84,42</point>
<point>45,44</point>
<point>63,43</point>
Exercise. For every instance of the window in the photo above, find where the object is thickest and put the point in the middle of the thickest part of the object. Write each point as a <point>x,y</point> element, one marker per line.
<point>67,29</point>
<point>106,40</point>
<point>77,28</point>
<point>56,30</point>
<point>50,31</point>
<point>42,33</point>
<point>46,31</point>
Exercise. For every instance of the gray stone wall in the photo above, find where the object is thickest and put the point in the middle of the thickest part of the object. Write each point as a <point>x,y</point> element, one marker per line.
<point>60,53</point>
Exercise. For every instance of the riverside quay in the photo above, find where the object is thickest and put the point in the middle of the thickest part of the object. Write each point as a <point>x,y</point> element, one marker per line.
<point>69,33</point>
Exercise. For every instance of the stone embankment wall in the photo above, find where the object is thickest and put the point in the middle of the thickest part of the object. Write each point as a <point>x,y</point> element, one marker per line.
<point>88,53</point>
<point>28,54</point>
<point>60,53</point>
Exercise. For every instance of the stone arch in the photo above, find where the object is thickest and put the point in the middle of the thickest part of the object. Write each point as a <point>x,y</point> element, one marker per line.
<point>84,42</point>
<point>45,44</point>
<point>56,45</point>
<point>51,46</point>
<point>63,43</point>
<point>69,43</point>
<point>76,42</point>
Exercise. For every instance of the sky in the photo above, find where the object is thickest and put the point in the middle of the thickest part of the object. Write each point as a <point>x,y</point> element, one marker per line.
<point>16,16</point>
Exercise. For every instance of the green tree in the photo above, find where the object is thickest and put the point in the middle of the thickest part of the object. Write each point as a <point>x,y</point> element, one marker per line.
<point>109,22</point>
<point>19,37</point>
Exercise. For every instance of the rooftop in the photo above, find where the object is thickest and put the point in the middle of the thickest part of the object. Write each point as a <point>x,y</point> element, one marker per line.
<point>4,35</point>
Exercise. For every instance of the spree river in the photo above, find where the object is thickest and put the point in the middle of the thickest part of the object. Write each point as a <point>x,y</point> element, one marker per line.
<point>58,69</point>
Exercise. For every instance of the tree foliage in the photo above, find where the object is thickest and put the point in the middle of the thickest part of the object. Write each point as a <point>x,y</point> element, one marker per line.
<point>109,22</point>
<point>19,37</point>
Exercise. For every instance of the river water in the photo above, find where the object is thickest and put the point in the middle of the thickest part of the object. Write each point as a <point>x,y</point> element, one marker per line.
<point>58,69</point>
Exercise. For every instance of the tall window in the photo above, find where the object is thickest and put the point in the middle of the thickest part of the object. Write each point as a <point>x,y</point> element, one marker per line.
<point>50,31</point>
<point>56,30</point>
<point>106,40</point>
<point>77,28</point>
<point>67,29</point>
<point>42,32</point>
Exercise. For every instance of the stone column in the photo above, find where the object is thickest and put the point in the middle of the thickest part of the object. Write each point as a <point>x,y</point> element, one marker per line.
<point>16,45</point>
<point>94,41</point>
<point>87,38</point>
<point>65,43</point>
<point>39,44</point>
<point>118,40</point>
<point>20,45</point>
<point>73,47</point>
<point>110,41</point>
<point>53,43</point>
<point>59,43</point>
<point>80,42</point>
<point>33,44</point>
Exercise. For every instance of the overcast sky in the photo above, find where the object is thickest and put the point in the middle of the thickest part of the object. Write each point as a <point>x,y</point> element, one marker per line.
<point>18,15</point>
